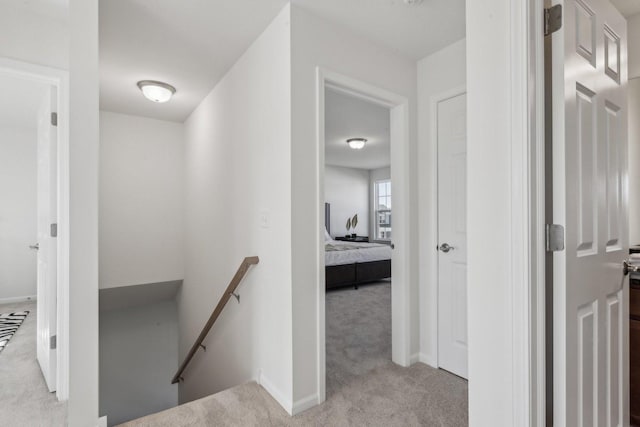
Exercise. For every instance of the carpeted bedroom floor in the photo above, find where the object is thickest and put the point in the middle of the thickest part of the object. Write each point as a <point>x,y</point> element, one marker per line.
<point>24,398</point>
<point>364,388</point>
<point>358,332</point>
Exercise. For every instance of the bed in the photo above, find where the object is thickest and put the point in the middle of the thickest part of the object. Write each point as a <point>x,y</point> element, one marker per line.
<point>351,263</point>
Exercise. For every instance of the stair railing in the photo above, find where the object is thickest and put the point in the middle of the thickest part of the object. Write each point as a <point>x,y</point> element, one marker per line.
<point>237,278</point>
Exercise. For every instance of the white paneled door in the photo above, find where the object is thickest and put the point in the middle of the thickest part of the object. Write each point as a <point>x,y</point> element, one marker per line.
<point>590,200</point>
<point>47,252</point>
<point>452,234</point>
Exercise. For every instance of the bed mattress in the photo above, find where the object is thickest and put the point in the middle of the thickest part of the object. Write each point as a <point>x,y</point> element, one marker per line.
<point>341,253</point>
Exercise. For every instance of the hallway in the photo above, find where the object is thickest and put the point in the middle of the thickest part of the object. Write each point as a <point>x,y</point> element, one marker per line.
<point>24,398</point>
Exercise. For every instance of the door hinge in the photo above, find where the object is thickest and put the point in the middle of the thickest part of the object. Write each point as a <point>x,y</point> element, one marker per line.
<point>555,237</point>
<point>552,19</point>
<point>54,119</point>
<point>54,230</point>
<point>53,342</point>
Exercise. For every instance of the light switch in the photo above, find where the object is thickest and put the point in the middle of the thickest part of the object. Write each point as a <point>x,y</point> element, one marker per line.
<point>265,218</point>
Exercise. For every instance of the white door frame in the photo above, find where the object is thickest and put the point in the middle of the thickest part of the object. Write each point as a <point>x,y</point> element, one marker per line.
<point>430,298</point>
<point>59,79</point>
<point>399,129</point>
<point>506,124</point>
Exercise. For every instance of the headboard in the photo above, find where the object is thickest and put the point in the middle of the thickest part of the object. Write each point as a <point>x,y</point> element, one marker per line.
<point>327,217</point>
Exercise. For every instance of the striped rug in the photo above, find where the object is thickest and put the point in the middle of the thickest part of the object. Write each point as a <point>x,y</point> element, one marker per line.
<point>9,324</point>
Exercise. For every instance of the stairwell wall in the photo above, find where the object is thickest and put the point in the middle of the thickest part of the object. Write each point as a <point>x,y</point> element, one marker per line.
<point>141,200</point>
<point>238,204</point>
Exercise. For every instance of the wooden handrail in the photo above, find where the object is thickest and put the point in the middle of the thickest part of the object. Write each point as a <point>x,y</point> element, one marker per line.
<point>237,278</point>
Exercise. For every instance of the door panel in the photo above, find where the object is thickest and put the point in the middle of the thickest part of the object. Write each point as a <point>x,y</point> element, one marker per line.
<point>47,254</point>
<point>452,229</point>
<point>589,81</point>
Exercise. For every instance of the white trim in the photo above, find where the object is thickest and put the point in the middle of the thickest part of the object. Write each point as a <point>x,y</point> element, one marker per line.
<point>527,266</point>
<point>519,270</point>
<point>28,298</point>
<point>278,395</point>
<point>399,131</point>
<point>537,197</point>
<point>430,302</point>
<point>426,359</point>
<point>59,79</point>
<point>320,286</point>
<point>303,404</point>
<point>102,421</point>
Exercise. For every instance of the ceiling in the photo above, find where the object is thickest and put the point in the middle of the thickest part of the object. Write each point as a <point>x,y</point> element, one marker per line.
<point>349,117</point>
<point>189,44</point>
<point>627,7</point>
<point>413,30</point>
<point>19,102</point>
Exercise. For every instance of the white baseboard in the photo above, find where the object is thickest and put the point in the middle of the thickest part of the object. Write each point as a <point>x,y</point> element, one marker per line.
<point>427,360</point>
<point>302,405</point>
<point>414,358</point>
<point>18,299</point>
<point>102,421</point>
<point>275,393</point>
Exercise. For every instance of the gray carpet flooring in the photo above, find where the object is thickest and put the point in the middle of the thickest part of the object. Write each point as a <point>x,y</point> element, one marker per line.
<point>24,397</point>
<point>364,388</point>
<point>358,332</point>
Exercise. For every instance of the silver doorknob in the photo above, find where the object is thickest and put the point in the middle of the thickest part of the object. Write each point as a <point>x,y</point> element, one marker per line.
<point>445,247</point>
<point>35,247</point>
<point>629,267</point>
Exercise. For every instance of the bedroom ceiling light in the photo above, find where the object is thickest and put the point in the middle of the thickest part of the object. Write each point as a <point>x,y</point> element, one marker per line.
<point>356,143</point>
<point>156,91</point>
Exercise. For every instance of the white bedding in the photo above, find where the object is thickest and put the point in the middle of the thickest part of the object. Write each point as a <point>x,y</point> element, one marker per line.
<point>340,253</point>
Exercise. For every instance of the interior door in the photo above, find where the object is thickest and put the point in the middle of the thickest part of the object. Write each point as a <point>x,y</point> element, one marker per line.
<point>589,81</point>
<point>452,234</point>
<point>47,252</point>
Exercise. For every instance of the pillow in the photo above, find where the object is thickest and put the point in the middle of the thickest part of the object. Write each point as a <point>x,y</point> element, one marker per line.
<point>327,236</point>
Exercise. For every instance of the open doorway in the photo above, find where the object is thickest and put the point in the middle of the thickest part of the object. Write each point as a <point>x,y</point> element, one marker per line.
<point>32,294</point>
<point>358,254</point>
<point>379,176</point>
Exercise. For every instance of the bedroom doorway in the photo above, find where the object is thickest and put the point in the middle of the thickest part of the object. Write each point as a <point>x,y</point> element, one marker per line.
<point>39,96</point>
<point>358,212</point>
<point>363,314</point>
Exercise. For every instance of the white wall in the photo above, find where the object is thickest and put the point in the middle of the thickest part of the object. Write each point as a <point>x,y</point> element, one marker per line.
<point>347,189</point>
<point>237,173</point>
<point>141,200</point>
<point>18,209</point>
<point>494,298</point>
<point>315,43</point>
<point>438,73</point>
<point>83,213</point>
<point>33,37</point>
<point>376,175</point>
<point>138,356</point>
<point>633,37</point>
<point>72,44</point>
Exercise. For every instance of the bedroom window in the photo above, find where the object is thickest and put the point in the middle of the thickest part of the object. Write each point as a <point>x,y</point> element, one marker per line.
<point>383,210</point>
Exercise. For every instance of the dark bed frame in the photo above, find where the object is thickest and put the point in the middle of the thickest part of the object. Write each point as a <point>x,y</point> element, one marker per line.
<point>339,276</point>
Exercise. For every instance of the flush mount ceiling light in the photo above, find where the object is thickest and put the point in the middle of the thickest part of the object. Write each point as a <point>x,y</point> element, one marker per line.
<point>156,91</point>
<point>356,143</point>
